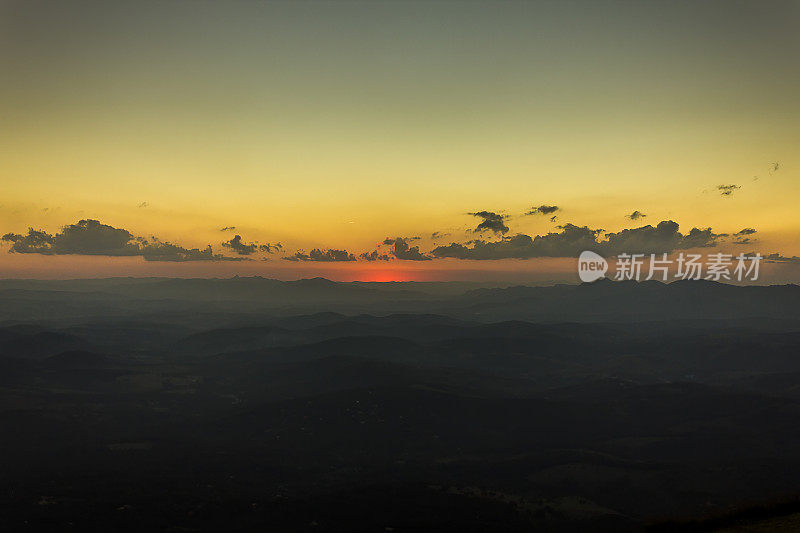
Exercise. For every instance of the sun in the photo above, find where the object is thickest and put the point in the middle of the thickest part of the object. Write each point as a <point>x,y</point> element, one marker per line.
<point>385,275</point>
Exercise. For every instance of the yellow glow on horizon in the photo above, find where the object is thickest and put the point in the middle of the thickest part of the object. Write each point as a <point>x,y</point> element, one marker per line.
<point>331,135</point>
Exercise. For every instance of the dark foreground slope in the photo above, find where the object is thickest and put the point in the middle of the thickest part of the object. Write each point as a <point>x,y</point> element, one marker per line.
<point>262,420</point>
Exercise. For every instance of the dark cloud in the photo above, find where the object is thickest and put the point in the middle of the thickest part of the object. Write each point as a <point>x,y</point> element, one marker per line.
<point>271,247</point>
<point>389,241</point>
<point>90,237</point>
<point>239,247</point>
<point>636,215</point>
<point>438,235</point>
<point>326,256</point>
<point>491,222</point>
<point>243,248</point>
<point>569,242</point>
<point>572,240</point>
<point>86,237</point>
<point>543,210</point>
<point>165,251</point>
<point>727,190</point>
<point>518,246</point>
<point>143,204</point>
<point>35,242</point>
<point>374,256</point>
<point>740,236</point>
<point>778,258</point>
<point>553,218</point>
<point>402,250</point>
<point>664,237</point>
<point>699,238</point>
<point>228,228</point>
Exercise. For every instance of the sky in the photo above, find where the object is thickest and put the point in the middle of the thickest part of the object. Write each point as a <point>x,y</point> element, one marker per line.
<point>442,136</point>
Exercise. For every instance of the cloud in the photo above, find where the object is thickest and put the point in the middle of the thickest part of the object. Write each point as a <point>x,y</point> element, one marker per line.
<point>374,256</point>
<point>663,238</point>
<point>518,246</point>
<point>271,247</point>
<point>572,240</point>
<point>243,248</point>
<point>491,222</point>
<point>143,204</point>
<point>228,228</point>
<point>778,258</point>
<point>90,237</point>
<point>402,250</point>
<point>390,241</point>
<point>543,210</point>
<point>740,238</point>
<point>35,242</point>
<point>438,235</point>
<point>699,238</point>
<point>86,237</point>
<point>636,215</point>
<point>165,251</point>
<point>326,256</point>
<point>727,190</point>
<point>239,247</point>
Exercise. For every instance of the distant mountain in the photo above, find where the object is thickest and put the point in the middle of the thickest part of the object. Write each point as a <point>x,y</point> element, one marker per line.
<point>565,408</point>
<point>76,359</point>
<point>235,339</point>
<point>249,301</point>
<point>41,344</point>
<point>608,301</point>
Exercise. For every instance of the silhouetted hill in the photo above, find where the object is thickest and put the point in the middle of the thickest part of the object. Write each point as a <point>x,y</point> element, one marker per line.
<point>76,359</point>
<point>244,298</point>
<point>41,344</point>
<point>607,301</point>
<point>212,405</point>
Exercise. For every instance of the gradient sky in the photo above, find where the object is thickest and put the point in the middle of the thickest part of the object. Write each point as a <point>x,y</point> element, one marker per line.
<point>337,124</point>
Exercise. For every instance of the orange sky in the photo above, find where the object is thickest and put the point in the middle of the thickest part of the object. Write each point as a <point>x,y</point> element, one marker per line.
<point>338,124</point>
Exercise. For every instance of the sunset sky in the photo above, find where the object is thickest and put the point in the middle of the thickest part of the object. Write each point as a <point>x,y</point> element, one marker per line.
<point>341,125</point>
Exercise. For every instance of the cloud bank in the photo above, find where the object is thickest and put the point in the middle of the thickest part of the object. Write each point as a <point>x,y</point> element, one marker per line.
<point>404,251</point>
<point>91,237</point>
<point>572,240</point>
<point>322,256</point>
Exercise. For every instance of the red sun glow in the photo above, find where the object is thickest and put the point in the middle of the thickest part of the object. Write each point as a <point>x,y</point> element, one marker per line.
<point>385,275</point>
